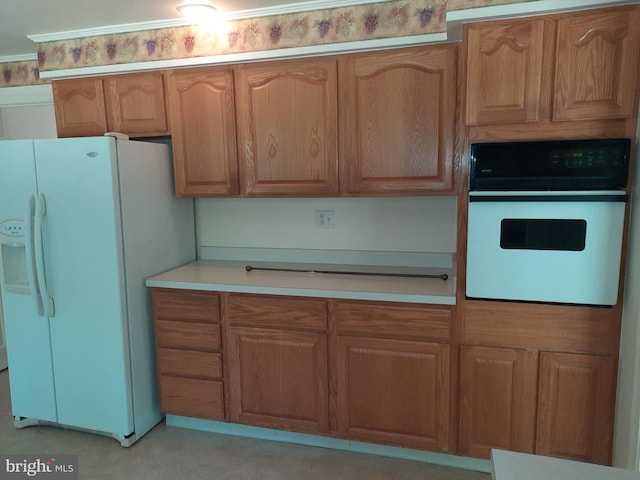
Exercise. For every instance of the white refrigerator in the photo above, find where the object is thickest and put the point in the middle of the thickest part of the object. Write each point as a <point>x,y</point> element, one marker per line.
<point>83,223</point>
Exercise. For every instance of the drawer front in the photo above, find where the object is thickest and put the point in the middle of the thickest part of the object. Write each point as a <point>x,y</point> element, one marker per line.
<point>186,305</point>
<point>192,398</point>
<point>400,321</point>
<point>186,363</point>
<point>277,312</point>
<point>186,335</point>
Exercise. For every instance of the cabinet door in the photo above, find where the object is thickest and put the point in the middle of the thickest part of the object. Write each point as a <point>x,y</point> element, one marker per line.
<point>287,127</point>
<point>79,107</point>
<point>278,379</point>
<point>397,121</point>
<point>505,70</point>
<point>497,400</point>
<point>203,132</point>
<point>597,65</point>
<point>575,407</point>
<point>394,392</point>
<point>136,104</point>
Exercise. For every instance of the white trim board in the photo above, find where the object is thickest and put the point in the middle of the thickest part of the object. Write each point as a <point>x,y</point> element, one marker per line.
<point>26,96</point>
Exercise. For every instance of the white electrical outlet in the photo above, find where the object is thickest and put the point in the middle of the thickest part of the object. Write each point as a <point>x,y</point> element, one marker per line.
<point>325,218</point>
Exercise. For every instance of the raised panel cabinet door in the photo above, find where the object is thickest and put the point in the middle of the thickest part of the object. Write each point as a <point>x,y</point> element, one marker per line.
<point>136,104</point>
<point>278,379</point>
<point>394,392</point>
<point>597,65</point>
<point>497,398</point>
<point>397,121</point>
<point>287,127</point>
<point>79,106</point>
<point>506,70</point>
<point>575,407</point>
<point>203,130</point>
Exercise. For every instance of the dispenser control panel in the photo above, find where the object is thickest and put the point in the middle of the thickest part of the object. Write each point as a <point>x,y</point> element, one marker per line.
<point>12,228</point>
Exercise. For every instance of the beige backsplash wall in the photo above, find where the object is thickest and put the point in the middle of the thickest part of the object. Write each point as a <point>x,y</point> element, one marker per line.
<point>398,224</point>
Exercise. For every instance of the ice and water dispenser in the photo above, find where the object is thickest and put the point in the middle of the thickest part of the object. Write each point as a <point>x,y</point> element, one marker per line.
<point>13,260</point>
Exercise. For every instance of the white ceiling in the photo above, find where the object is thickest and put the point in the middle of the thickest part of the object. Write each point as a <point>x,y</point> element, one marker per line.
<point>21,18</point>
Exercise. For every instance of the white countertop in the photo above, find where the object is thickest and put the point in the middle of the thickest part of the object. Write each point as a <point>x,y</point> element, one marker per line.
<point>523,466</point>
<point>232,276</point>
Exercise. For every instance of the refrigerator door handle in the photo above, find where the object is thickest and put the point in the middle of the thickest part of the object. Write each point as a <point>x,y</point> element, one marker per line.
<point>30,255</point>
<point>47,301</point>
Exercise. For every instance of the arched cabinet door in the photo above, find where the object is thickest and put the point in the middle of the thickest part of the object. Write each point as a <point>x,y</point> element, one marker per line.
<point>204,132</point>
<point>287,127</point>
<point>506,62</point>
<point>397,112</point>
<point>597,63</point>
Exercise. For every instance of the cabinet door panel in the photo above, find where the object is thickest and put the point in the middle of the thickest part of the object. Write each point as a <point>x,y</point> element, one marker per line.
<point>394,392</point>
<point>575,407</point>
<point>397,118</point>
<point>497,400</point>
<point>204,132</point>
<point>597,65</point>
<point>287,122</point>
<point>278,379</point>
<point>137,104</point>
<point>79,107</point>
<point>505,71</point>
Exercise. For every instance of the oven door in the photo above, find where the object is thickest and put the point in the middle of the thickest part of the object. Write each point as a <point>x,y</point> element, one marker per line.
<point>558,247</point>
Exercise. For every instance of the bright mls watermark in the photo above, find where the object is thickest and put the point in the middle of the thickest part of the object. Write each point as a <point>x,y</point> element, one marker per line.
<point>52,467</point>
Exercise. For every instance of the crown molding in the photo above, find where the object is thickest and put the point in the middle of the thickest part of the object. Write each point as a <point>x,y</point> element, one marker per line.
<point>181,22</point>
<point>27,57</point>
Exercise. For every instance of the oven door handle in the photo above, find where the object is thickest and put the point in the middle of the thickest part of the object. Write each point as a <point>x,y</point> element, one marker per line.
<point>549,198</point>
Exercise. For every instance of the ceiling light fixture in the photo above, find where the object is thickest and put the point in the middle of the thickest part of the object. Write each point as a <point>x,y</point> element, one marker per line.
<point>197,10</point>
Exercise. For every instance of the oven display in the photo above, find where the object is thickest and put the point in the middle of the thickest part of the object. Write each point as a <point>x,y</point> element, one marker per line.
<point>543,234</point>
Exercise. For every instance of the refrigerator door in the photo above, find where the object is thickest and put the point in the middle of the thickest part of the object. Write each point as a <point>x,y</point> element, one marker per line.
<point>27,333</point>
<point>82,238</point>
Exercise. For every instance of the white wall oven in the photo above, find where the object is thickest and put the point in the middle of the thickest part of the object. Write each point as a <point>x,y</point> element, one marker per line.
<point>546,220</point>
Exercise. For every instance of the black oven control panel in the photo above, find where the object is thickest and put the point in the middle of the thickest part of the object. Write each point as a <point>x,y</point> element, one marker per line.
<point>601,164</point>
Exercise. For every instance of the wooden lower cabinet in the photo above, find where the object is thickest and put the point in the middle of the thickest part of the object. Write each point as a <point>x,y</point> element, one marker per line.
<point>575,406</point>
<point>277,362</point>
<point>497,396</point>
<point>189,353</point>
<point>278,379</point>
<point>547,403</point>
<point>394,392</point>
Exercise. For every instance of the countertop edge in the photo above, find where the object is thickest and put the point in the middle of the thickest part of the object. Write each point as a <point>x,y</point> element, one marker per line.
<point>304,292</point>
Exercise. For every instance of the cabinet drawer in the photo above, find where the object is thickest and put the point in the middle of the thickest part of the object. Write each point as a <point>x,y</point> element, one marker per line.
<point>186,305</point>
<point>189,364</point>
<point>192,398</point>
<point>400,321</point>
<point>277,312</point>
<point>187,335</point>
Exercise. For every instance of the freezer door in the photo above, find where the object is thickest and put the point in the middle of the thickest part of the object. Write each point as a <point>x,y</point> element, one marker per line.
<point>27,333</point>
<point>82,239</point>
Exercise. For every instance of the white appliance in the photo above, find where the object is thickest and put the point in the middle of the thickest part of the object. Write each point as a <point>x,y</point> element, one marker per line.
<point>3,343</point>
<point>83,223</point>
<point>546,221</point>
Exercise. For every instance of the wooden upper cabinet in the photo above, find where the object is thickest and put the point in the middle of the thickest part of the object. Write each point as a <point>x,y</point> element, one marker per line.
<point>133,104</point>
<point>136,104</point>
<point>79,107</point>
<point>597,65</point>
<point>204,132</point>
<point>397,121</point>
<point>287,127</point>
<point>506,71</point>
